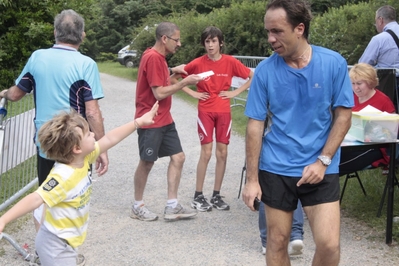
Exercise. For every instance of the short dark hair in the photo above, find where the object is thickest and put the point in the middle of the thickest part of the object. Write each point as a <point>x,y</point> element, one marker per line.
<point>69,27</point>
<point>165,28</point>
<point>298,11</point>
<point>212,32</point>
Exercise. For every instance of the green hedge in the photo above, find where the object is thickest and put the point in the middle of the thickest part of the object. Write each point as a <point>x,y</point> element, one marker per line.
<point>347,30</point>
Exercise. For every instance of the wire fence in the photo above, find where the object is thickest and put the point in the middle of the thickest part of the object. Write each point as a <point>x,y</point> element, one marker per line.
<point>17,150</point>
<point>251,62</point>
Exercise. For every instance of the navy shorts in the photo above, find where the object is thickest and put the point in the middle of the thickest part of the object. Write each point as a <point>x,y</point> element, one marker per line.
<point>44,167</point>
<point>280,192</point>
<point>159,142</point>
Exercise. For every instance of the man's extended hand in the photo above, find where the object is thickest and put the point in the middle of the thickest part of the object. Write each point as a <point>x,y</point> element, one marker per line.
<point>102,164</point>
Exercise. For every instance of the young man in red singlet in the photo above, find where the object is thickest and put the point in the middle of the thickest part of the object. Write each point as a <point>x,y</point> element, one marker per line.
<point>214,114</point>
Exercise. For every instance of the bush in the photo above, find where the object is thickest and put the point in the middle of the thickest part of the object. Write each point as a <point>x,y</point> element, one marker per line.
<point>243,34</point>
<point>103,57</point>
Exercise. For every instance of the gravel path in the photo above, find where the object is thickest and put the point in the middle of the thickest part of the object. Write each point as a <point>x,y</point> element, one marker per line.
<point>213,238</point>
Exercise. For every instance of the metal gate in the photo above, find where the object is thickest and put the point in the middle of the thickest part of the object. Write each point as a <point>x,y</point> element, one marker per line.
<point>251,62</point>
<point>17,150</point>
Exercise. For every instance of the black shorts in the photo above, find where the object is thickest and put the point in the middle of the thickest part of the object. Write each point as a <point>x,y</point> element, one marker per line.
<point>280,192</point>
<point>155,143</point>
<point>44,167</point>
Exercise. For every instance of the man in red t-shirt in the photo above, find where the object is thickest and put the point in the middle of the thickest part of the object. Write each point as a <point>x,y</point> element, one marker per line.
<point>159,139</point>
<point>214,112</point>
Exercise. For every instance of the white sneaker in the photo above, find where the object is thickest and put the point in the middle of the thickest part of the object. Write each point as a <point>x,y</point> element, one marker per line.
<point>295,247</point>
<point>263,250</point>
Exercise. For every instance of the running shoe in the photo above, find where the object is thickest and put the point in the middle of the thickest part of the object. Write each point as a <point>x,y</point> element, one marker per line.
<point>218,203</point>
<point>143,214</point>
<point>201,204</point>
<point>172,214</point>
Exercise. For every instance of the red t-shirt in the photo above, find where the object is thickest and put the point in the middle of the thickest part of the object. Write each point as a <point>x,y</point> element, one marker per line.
<point>153,72</point>
<point>225,69</point>
<point>379,101</point>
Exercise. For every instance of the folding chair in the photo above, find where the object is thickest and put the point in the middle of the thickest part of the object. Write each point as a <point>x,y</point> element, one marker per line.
<point>348,176</point>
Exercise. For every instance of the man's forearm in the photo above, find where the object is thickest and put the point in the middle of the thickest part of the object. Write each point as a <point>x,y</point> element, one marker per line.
<point>341,125</point>
<point>13,94</point>
<point>253,145</point>
<point>161,93</point>
<point>95,119</point>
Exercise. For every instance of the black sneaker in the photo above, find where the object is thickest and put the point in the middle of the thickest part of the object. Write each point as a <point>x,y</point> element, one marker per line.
<point>201,204</point>
<point>219,204</point>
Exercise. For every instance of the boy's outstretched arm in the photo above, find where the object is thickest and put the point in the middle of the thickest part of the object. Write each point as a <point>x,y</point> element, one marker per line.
<point>24,206</point>
<point>116,135</point>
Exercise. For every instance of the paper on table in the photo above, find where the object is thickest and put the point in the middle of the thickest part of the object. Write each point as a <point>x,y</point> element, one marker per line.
<point>206,74</point>
<point>373,110</point>
<point>369,109</point>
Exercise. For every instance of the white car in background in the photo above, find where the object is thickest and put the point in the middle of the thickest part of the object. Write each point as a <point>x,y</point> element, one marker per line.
<point>127,57</point>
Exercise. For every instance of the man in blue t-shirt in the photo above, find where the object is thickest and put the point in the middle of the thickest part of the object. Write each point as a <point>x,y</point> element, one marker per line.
<point>305,92</point>
<point>62,78</point>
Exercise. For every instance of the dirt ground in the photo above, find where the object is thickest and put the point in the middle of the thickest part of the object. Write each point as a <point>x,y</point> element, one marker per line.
<point>212,238</point>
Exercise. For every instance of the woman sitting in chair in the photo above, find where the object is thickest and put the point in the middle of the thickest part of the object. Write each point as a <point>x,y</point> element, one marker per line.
<point>364,81</point>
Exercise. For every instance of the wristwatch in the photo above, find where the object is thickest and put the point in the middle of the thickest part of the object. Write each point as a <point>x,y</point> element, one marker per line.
<point>325,160</point>
<point>170,71</point>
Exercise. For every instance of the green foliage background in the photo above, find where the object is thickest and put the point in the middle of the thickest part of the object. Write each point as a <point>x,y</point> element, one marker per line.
<point>345,26</point>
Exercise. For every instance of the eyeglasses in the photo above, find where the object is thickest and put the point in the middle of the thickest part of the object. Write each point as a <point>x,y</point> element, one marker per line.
<point>176,40</point>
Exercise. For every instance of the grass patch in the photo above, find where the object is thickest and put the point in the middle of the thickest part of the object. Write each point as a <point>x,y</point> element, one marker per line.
<point>117,70</point>
<point>354,203</point>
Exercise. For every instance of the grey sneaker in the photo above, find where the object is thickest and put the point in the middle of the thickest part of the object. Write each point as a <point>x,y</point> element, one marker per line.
<point>218,203</point>
<point>143,214</point>
<point>201,204</point>
<point>178,213</point>
<point>80,260</point>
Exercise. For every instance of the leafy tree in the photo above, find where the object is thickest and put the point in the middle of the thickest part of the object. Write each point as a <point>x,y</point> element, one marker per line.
<point>25,26</point>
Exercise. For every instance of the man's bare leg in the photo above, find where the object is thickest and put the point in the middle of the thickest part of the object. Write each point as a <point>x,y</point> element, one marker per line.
<point>221,159</point>
<point>324,220</point>
<point>279,225</point>
<point>202,166</point>
<point>174,174</point>
<point>140,178</point>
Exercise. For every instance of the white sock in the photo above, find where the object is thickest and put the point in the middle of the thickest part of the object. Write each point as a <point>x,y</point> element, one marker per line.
<point>171,203</point>
<point>138,203</point>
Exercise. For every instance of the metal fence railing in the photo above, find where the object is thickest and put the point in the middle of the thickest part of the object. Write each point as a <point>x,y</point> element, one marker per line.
<point>251,62</point>
<point>17,150</point>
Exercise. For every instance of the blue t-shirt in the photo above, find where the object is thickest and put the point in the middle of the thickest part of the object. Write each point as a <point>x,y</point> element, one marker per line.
<point>300,105</point>
<point>61,78</point>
